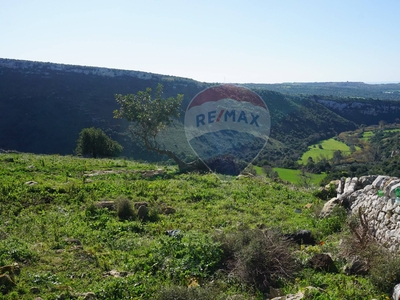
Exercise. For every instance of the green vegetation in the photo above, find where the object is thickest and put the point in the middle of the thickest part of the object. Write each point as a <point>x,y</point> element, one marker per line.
<point>94,142</point>
<point>324,149</point>
<point>149,116</point>
<point>294,176</point>
<point>79,225</point>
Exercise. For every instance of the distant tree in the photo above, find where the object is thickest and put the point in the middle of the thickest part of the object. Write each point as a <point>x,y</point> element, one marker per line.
<point>148,116</point>
<point>337,157</point>
<point>94,142</point>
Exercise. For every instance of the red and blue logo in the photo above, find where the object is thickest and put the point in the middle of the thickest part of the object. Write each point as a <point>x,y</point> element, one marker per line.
<point>227,124</point>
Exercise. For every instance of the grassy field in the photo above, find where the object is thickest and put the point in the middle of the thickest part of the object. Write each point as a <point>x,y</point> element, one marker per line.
<point>293,176</point>
<point>328,147</point>
<point>71,244</point>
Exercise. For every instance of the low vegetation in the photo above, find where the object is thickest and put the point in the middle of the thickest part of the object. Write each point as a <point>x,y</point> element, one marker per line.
<point>76,228</point>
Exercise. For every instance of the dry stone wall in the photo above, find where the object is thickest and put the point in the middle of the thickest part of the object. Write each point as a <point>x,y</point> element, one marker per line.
<point>376,197</point>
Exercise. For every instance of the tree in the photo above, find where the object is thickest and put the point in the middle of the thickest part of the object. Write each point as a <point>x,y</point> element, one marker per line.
<point>148,116</point>
<point>93,141</point>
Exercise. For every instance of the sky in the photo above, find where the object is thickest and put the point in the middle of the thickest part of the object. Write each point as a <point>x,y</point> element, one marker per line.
<point>233,41</point>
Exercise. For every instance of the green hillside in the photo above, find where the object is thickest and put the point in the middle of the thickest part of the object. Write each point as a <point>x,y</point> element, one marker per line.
<point>68,241</point>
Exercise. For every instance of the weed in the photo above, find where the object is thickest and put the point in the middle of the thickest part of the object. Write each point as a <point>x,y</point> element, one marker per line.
<point>124,209</point>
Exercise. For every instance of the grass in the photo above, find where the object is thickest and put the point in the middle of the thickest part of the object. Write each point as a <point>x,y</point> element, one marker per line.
<point>293,176</point>
<point>67,246</point>
<point>328,148</point>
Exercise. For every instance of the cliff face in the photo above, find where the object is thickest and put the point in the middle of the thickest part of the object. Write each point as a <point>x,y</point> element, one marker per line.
<point>368,112</point>
<point>44,106</point>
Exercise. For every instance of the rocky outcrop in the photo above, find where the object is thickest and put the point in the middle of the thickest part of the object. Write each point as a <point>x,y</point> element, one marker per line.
<point>375,197</point>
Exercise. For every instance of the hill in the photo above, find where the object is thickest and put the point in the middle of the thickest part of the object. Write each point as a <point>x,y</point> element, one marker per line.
<point>44,106</point>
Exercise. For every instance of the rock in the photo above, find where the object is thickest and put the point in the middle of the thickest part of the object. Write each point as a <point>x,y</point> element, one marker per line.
<point>106,204</point>
<point>379,182</point>
<point>139,204</point>
<point>356,267</point>
<point>328,207</point>
<point>6,283</point>
<point>143,213</point>
<point>31,183</point>
<point>73,241</point>
<point>174,233</point>
<point>301,237</point>
<point>396,292</point>
<point>35,290</point>
<point>115,273</point>
<point>350,185</point>
<point>297,296</point>
<point>89,296</point>
<point>366,180</point>
<point>168,210</point>
<point>322,262</point>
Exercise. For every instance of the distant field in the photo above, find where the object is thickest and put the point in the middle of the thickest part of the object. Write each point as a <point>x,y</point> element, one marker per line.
<point>367,135</point>
<point>328,147</point>
<point>293,176</point>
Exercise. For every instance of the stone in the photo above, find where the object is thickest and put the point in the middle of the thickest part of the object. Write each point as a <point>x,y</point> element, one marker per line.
<point>174,233</point>
<point>350,185</point>
<point>322,262</point>
<point>168,210</point>
<point>117,274</point>
<point>396,292</point>
<point>366,180</point>
<point>89,296</point>
<point>106,204</point>
<point>380,181</point>
<point>328,207</point>
<point>34,290</point>
<point>73,241</point>
<point>356,267</point>
<point>6,282</point>
<point>301,237</point>
<point>31,183</point>
<point>139,204</point>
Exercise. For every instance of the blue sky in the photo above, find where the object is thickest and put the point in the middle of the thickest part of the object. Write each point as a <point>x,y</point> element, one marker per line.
<point>214,41</point>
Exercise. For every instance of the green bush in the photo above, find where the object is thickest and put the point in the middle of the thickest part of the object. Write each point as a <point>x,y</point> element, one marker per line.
<point>93,141</point>
<point>15,250</point>
<point>124,209</point>
<point>385,272</point>
<point>190,255</point>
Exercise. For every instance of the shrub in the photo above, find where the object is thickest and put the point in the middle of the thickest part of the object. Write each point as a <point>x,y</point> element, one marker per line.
<point>124,209</point>
<point>331,224</point>
<point>260,258</point>
<point>385,272</point>
<point>93,141</point>
<point>189,255</point>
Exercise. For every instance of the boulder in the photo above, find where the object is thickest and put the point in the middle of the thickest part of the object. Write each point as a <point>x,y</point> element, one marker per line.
<point>301,237</point>
<point>396,292</point>
<point>139,204</point>
<point>328,207</point>
<point>322,262</point>
<point>356,266</point>
<point>143,213</point>
<point>106,204</point>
